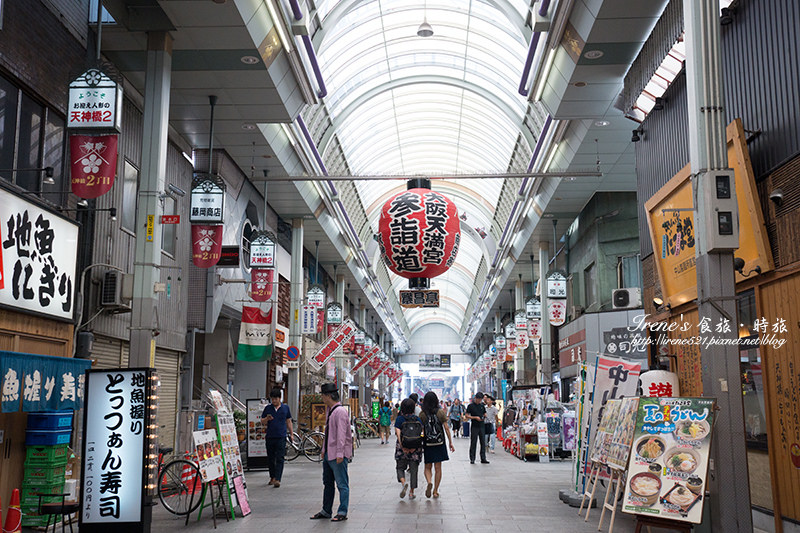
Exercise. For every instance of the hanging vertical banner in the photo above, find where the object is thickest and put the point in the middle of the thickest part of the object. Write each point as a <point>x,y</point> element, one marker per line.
<point>535,330</point>
<point>533,309</point>
<point>93,164</point>
<point>261,284</point>
<point>255,335</point>
<point>520,320</point>
<point>522,338</point>
<point>556,312</point>
<point>320,320</point>
<point>371,353</point>
<point>500,342</point>
<point>556,285</point>
<point>358,341</point>
<point>206,245</point>
<point>308,320</point>
<point>511,331</point>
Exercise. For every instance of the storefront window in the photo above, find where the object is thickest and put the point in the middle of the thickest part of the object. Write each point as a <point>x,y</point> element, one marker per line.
<point>54,150</point>
<point>30,131</point>
<point>8,125</point>
<point>752,379</point>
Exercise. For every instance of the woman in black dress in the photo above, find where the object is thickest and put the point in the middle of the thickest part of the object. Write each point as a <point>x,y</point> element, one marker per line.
<point>434,422</point>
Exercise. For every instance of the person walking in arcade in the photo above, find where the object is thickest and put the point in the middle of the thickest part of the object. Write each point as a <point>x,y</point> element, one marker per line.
<point>435,427</point>
<point>278,419</point>
<point>476,412</point>
<point>338,450</point>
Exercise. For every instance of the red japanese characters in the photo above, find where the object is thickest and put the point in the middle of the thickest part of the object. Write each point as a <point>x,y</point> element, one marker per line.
<point>419,233</point>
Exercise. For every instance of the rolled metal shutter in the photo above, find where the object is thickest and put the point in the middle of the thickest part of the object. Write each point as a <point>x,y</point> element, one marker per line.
<point>108,353</point>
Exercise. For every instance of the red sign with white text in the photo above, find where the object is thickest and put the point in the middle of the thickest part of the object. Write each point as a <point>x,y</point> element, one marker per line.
<point>367,358</point>
<point>335,341</point>
<point>93,164</point>
<point>170,219</point>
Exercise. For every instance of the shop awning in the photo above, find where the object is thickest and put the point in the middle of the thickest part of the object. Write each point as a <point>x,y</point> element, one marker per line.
<point>41,382</point>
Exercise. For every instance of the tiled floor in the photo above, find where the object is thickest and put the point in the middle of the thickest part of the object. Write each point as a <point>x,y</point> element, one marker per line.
<point>506,495</point>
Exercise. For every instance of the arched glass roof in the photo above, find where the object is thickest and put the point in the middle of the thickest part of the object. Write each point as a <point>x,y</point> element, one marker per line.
<point>408,105</point>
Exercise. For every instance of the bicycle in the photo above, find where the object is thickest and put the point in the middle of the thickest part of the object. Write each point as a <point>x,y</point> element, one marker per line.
<point>177,483</point>
<point>367,428</point>
<point>309,445</point>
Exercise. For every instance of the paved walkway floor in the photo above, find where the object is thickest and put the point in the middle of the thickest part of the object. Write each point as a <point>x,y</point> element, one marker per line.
<point>506,495</point>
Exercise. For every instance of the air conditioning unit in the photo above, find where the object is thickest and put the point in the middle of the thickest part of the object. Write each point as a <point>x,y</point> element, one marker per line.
<point>116,291</point>
<point>626,298</point>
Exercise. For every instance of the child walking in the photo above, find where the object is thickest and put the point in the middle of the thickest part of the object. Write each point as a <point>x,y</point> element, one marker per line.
<point>408,450</point>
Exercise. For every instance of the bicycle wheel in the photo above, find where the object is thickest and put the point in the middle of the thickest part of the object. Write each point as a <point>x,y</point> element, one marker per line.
<point>179,486</point>
<point>312,446</point>
<point>292,449</point>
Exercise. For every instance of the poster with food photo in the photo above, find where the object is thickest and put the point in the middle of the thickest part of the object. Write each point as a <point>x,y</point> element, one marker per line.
<point>668,465</point>
<point>209,454</point>
<point>619,445</point>
<point>256,446</point>
<point>605,430</point>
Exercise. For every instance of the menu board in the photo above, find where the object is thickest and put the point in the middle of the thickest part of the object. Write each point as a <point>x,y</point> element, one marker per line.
<point>256,445</point>
<point>668,465</point>
<point>209,454</point>
<point>619,447</point>
<point>231,457</point>
<point>605,431</point>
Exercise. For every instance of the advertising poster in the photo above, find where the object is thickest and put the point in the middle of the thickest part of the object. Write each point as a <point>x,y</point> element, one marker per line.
<point>615,378</point>
<point>605,430</point>
<point>231,458</point>
<point>256,445</point>
<point>570,432</point>
<point>619,446</point>
<point>668,466</point>
<point>209,454</point>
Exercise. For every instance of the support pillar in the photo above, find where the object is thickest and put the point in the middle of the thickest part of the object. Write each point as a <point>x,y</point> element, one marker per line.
<point>339,355</point>
<point>144,317</point>
<point>362,372</point>
<point>296,294</point>
<point>545,350</point>
<point>519,358</point>
<point>716,290</point>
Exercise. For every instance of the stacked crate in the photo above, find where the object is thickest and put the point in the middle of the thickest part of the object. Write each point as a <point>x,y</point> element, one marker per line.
<point>46,459</point>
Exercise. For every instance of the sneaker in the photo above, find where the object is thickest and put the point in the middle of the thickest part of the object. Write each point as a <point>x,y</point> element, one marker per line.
<point>271,482</point>
<point>403,492</point>
<point>276,484</point>
<point>412,496</point>
<point>484,462</point>
<point>492,451</point>
<point>472,462</point>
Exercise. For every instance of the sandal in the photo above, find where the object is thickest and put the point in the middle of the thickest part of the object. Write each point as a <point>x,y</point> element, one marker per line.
<point>319,516</point>
<point>428,490</point>
<point>403,492</point>
<point>339,518</point>
<point>435,494</point>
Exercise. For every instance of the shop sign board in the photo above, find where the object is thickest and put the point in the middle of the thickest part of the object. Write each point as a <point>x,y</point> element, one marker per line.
<point>557,312</point>
<point>333,313</point>
<point>256,445</point>
<point>38,257</point>
<point>572,348</point>
<point>229,256</point>
<point>316,297</point>
<point>262,250</point>
<point>207,205</point>
<point>522,338</point>
<point>42,382</point>
<point>675,434</point>
<point>385,366</point>
<point>500,342</point>
<point>521,320</point>
<point>369,356</point>
<point>419,298</point>
<point>511,331</point>
<point>341,335</point>
<point>94,102</point>
<point>556,285</point>
<point>116,436</point>
<point>533,309</point>
<point>535,330</point>
<point>434,362</point>
<point>308,320</point>
<point>170,219</point>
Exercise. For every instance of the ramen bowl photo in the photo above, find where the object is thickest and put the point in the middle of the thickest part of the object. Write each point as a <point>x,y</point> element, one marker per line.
<point>650,448</point>
<point>682,460</point>
<point>691,430</point>
<point>646,486</point>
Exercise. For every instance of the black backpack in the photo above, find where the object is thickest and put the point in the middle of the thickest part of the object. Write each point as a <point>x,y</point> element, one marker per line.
<point>434,432</point>
<point>411,433</point>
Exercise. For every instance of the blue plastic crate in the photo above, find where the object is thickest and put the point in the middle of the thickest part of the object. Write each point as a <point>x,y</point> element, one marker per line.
<point>41,437</point>
<point>50,420</point>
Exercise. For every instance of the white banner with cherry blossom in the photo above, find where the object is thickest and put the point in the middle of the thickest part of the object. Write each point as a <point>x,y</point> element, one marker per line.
<point>41,382</point>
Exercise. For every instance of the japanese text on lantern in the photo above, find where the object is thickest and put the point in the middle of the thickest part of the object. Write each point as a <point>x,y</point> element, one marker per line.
<point>435,232</point>
<point>404,232</point>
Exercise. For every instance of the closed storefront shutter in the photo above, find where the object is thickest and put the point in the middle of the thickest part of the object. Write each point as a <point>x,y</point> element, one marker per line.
<point>168,365</point>
<point>108,353</point>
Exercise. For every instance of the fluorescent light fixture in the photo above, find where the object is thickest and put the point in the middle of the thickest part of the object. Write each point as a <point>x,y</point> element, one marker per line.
<point>289,134</point>
<point>552,156</point>
<point>551,56</point>
<point>189,158</point>
<point>278,23</point>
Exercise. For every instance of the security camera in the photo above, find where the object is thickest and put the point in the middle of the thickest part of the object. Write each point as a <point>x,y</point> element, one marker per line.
<point>174,189</point>
<point>776,196</point>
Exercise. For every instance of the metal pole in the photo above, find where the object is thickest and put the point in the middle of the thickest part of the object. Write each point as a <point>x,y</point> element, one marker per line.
<point>519,358</point>
<point>296,293</point>
<point>451,177</point>
<point>716,290</point>
<point>545,352</point>
<point>340,360</point>
<point>99,29</point>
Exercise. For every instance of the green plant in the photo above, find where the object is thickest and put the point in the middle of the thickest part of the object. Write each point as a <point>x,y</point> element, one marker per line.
<point>240,419</point>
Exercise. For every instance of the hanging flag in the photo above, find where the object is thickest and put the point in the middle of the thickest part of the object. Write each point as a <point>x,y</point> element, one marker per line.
<point>206,245</point>
<point>93,161</point>
<point>261,284</point>
<point>255,335</point>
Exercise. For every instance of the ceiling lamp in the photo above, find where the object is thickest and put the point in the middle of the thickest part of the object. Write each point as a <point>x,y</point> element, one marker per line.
<point>425,29</point>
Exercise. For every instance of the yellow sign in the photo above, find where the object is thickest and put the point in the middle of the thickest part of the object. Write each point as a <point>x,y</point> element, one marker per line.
<point>152,353</point>
<point>672,229</point>
<point>151,223</point>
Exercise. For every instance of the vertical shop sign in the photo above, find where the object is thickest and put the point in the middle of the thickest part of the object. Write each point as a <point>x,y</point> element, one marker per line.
<point>262,250</point>
<point>533,309</point>
<point>308,320</point>
<point>95,102</point>
<point>207,200</point>
<point>93,164</point>
<point>116,439</point>
<point>261,284</point>
<point>39,257</point>
<point>333,314</point>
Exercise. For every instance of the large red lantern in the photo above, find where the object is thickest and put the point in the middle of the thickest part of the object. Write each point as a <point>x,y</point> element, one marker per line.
<point>419,233</point>
<point>206,245</point>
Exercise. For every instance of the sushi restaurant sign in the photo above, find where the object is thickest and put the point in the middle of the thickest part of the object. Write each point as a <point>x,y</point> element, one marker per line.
<point>668,465</point>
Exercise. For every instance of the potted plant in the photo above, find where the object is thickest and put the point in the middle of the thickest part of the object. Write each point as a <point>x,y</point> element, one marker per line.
<point>240,419</point>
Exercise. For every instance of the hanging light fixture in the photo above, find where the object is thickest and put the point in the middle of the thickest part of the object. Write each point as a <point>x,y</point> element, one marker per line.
<point>425,29</point>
